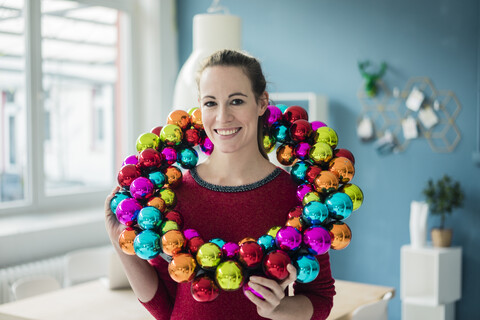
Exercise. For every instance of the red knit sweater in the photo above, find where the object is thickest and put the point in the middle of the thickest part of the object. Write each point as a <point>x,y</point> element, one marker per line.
<point>233,213</point>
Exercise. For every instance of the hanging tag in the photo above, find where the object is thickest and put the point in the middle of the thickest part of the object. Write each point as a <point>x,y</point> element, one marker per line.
<point>409,126</point>
<point>428,117</point>
<point>415,99</point>
<point>365,129</point>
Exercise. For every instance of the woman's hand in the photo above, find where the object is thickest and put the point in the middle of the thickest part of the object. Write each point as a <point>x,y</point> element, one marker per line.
<point>113,226</point>
<point>271,290</point>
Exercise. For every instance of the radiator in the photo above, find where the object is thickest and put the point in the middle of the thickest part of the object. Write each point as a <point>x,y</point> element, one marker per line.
<point>52,267</point>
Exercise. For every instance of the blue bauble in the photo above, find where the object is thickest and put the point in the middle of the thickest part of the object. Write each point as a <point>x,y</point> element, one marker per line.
<point>219,242</point>
<point>117,198</point>
<point>299,171</point>
<point>314,212</point>
<point>339,205</point>
<point>267,242</point>
<point>149,218</point>
<point>147,244</point>
<point>307,268</point>
<point>281,132</point>
<point>187,158</point>
<point>282,107</point>
<point>158,179</point>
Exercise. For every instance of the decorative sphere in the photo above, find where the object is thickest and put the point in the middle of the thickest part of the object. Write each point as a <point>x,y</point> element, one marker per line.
<point>307,268</point>
<point>320,153</point>
<point>173,242</point>
<point>191,110</point>
<point>267,242</point>
<point>299,171</point>
<point>147,244</point>
<point>327,135</point>
<point>273,231</point>
<point>295,113</point>
<point>282,107</point>
<point>149,159</point>
<point>125,240</point>
<point>157,178</point>
<point>315,212</point>
<point>342,168</point>
<point>250,254</point>
<point>280,132</point>
<point>158,203</point>
<point>219,242</point>
<point>312,173</point>
<point>229,275</point>
<point>190,233</point>
<point>182,267</point>
<point>326,182</point>
<point>275,265</point>
<point>285,155</point>
<point>207,146</point>
<point>149,218</point>
<point>180,118</point>
<point>127,211</point>
<point>174,176</point>
<point>192,137</point>
<point>171,135</point>
<point>127,174</point>
<point>309,197</point>
<point>169,197</point>
<point>295,212</point>
<point>269,142</point>
<point>288,238</point>
<point>204,289</point>
<point>344,153</point>
<point>147,141</point>
<point>317,124</point>
<point>194,244</point>
<point>188,158</point>
<point>132,159</point>
<point>170,155</point>
<point>297,223</point>
<point>230,250</point>
<point>117,198</point>
<point>209,256</point>
<point>141,188</point>
<point>176,217</point>
<point>156,130</point>
<point>272,114</point>
<point>302,190</point>
<point>339,205</point>
<point>355,193</point>
<point>341,235</point>
<point>317,240</point>
<point>168,225</point>
<point>246,239</point>
<point>301,150</point>
<point>301,130</point>
<point>196,119</point>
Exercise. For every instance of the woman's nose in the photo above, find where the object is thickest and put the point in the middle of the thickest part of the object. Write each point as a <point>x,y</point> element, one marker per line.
<point>224,114</point>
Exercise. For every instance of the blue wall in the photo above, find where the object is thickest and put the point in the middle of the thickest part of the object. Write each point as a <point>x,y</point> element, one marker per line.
<point>314,45</point>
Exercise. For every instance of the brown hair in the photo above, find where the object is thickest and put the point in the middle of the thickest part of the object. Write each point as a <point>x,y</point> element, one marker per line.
<point>252,69</point>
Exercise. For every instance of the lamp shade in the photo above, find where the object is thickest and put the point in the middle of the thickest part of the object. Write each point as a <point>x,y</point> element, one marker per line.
<point>211,32</point>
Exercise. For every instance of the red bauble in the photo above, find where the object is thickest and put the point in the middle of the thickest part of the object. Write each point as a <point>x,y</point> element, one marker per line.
<point>204,289</point>
<point>295,212</point>
<point>295,113</point>
<point>192,137</point>
<point>300,130</point>
<point>194,243</point>
<point>275,265</point>
<point>127,174</point>
<point>156,130</point>
<point>344,153</point>
<point>175,216</point>
<point>149,158</point>
<point>250,254</point>
<point>312,173</point>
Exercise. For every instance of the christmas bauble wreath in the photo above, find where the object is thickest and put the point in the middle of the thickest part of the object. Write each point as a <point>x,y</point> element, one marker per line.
<point>147,200</point>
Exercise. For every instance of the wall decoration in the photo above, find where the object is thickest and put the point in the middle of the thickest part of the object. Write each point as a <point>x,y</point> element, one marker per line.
<point>418,111</point>
<point>371,78</point>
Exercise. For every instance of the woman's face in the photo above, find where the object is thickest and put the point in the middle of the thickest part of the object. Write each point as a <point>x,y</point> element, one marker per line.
<point>229,109</point>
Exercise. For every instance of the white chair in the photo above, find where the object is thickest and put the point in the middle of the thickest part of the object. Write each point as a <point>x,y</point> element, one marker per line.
<point>34,285</point>
<point>86,264</point>
<point>377,310</point>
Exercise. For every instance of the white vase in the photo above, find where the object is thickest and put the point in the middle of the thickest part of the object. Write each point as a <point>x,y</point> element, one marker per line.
<point>418,224</point>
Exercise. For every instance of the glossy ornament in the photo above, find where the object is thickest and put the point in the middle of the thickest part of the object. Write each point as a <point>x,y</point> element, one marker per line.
<point>180,118</point>
<point>307,267</point>
<point>285,155</point>
<point>301,150</point>
<point>295,113</point>
<point>299,171</point>
<point>190,233</point>
<point>230,250</point>
<point>132,159</point>
<point>127,174</point>
<point>192,137</point>
<point>272,114</point>
<point>127,211</point>
<point>250,254</point>
<point>117,198</point>
<point>342,168</point>
<point>355,193</point>
<point>269,142</point>
<point>301,130</point>
<point>297,223</point>
<point>320,153</point>
<point>158,203</point>
<point>317,124</point>
<point>209,256</point>
<point>174,176</point>
<point>157,178</point>
<point>315,212</point>
<point>288,239</point>
<point>341,235</point>
<point>275,265</point>
<point>147,141</point>
<point>147,244</point>
<point>188,158</point>
<point>169,197</point>
<point>295,212</point>
<point>339,205</point>
<point>282,107</point>
<point>246,239</point>
<point>207,146</point>
<point>344,153</point>
<point>182,267</point>
<point>309,197</point>
<point>169,155</point>
<point>173,242</point>
<point>196,119</point>
<point>156,130</point>
<point>302,190</point>
<point>280,132</point>
<point>149,218</point>
<point>142,188</point>
<point>168,225</point>
<point>219,242</point>
<point>327,135</point>
<point>312,172</point>
<point>125,240</point>
<point>193,244</point>
<point>204,289</point>
<point>171,135</point>
<point>176,217</point>
<point>317,240</point>
<point>149,159</point>
<point>326,182</point>
<point>273,231</point>
<point>267,242</point>
<point>229,275</point>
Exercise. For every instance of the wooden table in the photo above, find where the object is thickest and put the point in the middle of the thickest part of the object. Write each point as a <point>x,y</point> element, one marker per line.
<point>94,300</point>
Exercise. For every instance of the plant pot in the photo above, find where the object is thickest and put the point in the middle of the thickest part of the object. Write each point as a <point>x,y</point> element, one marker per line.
<point>441,237</point>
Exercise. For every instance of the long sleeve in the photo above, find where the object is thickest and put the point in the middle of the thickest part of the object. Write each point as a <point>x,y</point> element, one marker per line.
<point>321,290</point>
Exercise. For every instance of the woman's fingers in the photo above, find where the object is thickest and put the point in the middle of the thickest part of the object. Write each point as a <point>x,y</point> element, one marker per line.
<point>108,199</point>
<point>267,286</point>
<point>292,276</point>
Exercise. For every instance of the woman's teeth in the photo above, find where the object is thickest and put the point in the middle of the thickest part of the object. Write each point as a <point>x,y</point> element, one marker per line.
<point>227,132</point>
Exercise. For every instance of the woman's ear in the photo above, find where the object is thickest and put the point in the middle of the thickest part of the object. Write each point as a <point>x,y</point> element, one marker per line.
<point>263,102</point>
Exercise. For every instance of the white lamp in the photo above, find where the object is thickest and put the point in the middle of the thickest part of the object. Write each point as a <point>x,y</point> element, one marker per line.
<point>211,32</point>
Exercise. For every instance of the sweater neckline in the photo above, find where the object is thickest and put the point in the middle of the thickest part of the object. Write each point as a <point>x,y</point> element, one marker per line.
<point>246,187</point>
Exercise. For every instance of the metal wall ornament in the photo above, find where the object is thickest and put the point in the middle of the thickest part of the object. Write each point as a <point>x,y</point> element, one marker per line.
<point>418,111</point>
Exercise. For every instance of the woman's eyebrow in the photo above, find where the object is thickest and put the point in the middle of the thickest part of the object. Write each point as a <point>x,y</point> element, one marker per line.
<point>237,94</point>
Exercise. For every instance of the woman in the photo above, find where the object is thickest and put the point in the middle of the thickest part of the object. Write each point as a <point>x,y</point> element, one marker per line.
<point>236,192</point>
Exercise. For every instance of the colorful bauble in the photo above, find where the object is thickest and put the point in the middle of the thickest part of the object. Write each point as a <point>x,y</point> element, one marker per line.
<point>308,150</point>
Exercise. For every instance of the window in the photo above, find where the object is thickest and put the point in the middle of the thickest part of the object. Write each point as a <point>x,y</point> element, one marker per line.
<point>63,66</point>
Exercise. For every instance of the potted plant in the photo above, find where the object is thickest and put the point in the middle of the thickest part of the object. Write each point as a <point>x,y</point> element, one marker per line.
<point>443,196</point>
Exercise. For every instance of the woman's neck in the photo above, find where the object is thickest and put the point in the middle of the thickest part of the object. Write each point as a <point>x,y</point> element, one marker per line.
<point>234,169</point>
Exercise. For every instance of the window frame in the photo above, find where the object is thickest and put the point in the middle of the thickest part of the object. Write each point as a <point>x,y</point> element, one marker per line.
<point>36,200</point>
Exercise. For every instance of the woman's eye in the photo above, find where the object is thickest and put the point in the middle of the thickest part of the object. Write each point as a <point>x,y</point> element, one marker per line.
<point>237,101</point>
<point>209,104</point>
